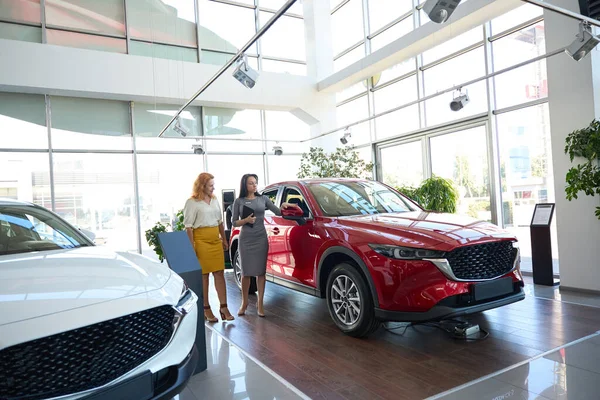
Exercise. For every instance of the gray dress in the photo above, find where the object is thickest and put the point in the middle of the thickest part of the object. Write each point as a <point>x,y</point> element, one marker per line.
<point>253,242</point>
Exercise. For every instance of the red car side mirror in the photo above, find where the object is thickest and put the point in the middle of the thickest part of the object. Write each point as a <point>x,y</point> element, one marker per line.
<point>294,214</point>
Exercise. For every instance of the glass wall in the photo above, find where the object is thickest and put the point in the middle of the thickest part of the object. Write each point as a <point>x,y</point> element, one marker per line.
<point>101,165</point>
<point>207,31</point>
<point>418,135</point>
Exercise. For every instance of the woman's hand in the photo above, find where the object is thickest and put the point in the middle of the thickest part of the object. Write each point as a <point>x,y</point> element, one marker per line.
<point>250,219</point>
<point>225,244</point>
<point>288,205</point>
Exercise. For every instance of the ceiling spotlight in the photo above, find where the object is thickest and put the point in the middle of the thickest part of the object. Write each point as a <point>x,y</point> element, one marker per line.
<point>277,150</point>
<point>182,130</point>
<point>198,149</point>
<point>244,73</point>
<point>584,43</point>
<point>440,10</point>
<point>347,135</point>
<point>459,101</point>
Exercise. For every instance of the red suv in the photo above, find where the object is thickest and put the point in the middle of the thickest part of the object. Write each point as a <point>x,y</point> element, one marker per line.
<point>377,256</point>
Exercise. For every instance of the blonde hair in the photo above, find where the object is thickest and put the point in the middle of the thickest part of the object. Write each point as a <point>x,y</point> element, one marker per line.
<point>200,184</point>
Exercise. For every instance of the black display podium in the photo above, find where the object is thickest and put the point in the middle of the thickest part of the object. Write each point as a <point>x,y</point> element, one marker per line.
<point>181,258</point>
<point>541,245</point>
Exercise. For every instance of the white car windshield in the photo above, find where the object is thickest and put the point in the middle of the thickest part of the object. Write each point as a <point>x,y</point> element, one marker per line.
<point>25,229</point>
<point>358,198</point>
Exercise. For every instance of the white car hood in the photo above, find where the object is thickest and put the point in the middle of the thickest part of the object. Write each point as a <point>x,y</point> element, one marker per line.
<point>48,282</point>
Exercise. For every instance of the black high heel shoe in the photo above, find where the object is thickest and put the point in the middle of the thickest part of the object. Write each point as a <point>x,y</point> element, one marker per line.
<point>223,316</point>
<point>207,318</point>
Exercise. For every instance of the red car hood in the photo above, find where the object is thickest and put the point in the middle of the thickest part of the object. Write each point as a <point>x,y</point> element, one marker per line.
<point>428,229</point>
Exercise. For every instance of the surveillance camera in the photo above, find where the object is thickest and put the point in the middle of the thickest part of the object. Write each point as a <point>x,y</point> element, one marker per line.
<point>277,150</point>
<point>347,135</point>
<point>182,130</point>
<point>583,44</point>
<point>245,74</point>
<point>440,10</point>
<point>197,149</point>
<point>459,102</point>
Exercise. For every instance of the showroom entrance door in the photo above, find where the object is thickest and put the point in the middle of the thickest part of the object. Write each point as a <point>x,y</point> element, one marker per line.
<point>459,153</point>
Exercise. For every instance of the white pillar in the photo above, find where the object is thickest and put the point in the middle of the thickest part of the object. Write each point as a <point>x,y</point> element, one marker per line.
<point>319,59</point>
<point>574,101</point>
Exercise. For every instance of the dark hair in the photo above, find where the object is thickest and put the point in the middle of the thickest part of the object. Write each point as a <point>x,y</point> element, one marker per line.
<point>243,184</point>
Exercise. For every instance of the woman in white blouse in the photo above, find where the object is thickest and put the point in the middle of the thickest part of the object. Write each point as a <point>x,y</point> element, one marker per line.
<point>203,222</point>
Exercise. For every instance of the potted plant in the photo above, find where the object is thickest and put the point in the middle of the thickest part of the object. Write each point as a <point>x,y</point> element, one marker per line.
<point>152,234</point>
<point>434,194</point>
<point>584,144</point>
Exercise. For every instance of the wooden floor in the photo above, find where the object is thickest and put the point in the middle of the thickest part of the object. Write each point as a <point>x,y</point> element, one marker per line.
<point>298,341</point>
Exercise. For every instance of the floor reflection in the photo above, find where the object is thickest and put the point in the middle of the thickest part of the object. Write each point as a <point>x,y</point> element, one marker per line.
<point>232,375</point>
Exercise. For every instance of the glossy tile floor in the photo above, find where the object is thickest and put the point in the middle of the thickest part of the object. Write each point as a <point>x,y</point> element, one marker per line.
<point>572,372</point>
<point>233,375</point>
<point>550,350</point>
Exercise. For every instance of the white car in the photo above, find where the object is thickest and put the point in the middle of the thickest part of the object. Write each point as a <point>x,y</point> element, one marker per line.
<point>79,321</point>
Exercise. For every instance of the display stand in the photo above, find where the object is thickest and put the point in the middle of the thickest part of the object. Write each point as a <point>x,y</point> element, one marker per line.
<point>541,245</point>
<point>182,259</point>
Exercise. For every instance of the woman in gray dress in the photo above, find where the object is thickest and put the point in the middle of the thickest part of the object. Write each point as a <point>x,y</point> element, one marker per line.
<point>253,242</point>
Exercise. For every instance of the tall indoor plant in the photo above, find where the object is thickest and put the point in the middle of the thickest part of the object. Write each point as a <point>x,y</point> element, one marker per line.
<point>584,144</point>
<point>434,194</point>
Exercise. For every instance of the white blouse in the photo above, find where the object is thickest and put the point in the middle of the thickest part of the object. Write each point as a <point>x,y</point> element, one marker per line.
<point>199,214</point>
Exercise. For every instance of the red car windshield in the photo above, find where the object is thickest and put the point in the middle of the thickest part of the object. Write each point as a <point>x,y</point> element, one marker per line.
<point>358,198</point>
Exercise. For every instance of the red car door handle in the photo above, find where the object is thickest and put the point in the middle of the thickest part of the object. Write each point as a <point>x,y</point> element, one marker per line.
<point>275,231</point>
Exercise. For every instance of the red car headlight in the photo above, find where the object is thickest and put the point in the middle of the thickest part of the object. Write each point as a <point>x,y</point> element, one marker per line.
<point>406,253</point>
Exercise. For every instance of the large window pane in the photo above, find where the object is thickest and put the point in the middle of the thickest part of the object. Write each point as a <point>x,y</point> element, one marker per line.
<point>347,26</point>
<point>229,123</point>
<point>515,17</point>
<point>462,157</point>
<point>283,168</point>
<point>165,183</point>
<point>26,177</point>
<point>285,38</point>
<point>382,12</point>
<point>526,173</point>
<point>150,119</point>
<point>217,58</point>
<point>402,165</point>
<point>349,58</point>
<point>396,71</point>
<point>95,192</point>
<point>225,27</point>
<point>90,124</point>
<point>438,111</point>
<point>455,71</point>
<point>453,45</point>
<point>521,46</point>
<point>283,67</point>
<point>353,111</point>
<point>23,121</point>
<point>283,125</point>
<point>228,171</point>
<point>106,16</point>
<point>521,85</point>
<point>20,32</point>
<point>396,94</point>
<point>357,88</point>
<point>401,121</point>
<point>85,41</point>
<point>164,21</point>
<point>21,10</point>
<point>163,51</point>
<point>277,4</point>
<point>395,32</point>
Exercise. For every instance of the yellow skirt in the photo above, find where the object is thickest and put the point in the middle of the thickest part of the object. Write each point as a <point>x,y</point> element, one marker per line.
<point>209,249</point>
